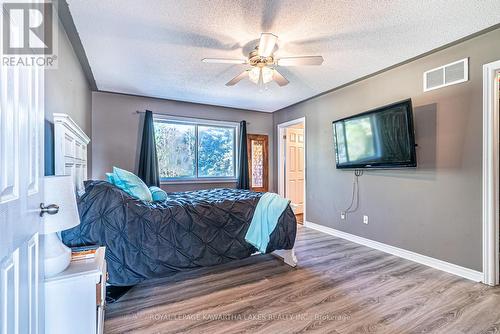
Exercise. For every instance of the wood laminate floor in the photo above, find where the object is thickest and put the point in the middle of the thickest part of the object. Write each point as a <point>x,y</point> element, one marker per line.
<point>338,287</point>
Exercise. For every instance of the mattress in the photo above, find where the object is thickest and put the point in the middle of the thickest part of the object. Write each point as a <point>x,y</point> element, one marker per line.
<point>188,230</point>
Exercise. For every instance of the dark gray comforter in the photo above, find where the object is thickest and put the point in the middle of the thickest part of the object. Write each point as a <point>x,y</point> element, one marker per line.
<point>189,230</point>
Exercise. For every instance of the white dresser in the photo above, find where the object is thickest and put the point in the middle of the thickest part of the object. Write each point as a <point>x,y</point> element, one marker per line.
<point>75,298</point>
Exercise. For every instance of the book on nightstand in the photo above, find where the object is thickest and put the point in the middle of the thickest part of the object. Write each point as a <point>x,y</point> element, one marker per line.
<point>83,252</point>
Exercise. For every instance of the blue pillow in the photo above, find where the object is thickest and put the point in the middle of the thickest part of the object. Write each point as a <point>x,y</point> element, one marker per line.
<point>158,194</point>
<point>131,184</point>
<point>110,177</point>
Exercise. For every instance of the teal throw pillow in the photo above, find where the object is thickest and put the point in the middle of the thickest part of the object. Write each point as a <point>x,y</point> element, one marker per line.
<point>158,194</point>
<point>131,184</point>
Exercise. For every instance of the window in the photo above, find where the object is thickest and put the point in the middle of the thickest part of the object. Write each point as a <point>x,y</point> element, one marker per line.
<point>195,150</point>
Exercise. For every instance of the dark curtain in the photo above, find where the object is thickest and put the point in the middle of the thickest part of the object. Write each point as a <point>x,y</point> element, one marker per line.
<point>148,161</point>
<point>243,177</point>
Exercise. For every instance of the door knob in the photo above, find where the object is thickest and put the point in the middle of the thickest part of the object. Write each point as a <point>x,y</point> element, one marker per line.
<point>51,209</point>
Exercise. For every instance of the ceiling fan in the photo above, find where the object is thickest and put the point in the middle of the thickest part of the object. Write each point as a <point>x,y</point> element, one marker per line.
<point>263,63</point>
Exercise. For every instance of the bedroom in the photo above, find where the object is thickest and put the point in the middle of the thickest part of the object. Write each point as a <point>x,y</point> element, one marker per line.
<point>198,98</point>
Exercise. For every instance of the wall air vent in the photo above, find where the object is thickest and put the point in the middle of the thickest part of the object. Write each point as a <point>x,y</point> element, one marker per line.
<point>447,75</point>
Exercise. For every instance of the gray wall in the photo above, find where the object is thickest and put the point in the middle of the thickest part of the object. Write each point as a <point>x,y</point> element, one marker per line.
<point>434,210</point>
<point>117,128</point>
<point>66,88</point>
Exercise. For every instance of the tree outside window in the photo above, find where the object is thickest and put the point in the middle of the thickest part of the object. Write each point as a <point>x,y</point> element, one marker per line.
<point>195,151</point>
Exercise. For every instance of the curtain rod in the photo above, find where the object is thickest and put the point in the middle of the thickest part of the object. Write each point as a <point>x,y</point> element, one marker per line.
<point>195,117</point>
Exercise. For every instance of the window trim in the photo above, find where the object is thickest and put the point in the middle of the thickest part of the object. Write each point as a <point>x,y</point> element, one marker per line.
<point>203,122</point>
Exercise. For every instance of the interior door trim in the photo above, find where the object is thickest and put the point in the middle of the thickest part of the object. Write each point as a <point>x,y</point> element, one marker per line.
<point>491,174</point>
<point>280,157</point>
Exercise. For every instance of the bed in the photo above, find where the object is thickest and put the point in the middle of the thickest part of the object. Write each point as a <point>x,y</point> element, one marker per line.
<point>188,230</point>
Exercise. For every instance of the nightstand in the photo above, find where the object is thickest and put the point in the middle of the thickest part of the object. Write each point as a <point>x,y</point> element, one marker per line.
<point>75,298</point>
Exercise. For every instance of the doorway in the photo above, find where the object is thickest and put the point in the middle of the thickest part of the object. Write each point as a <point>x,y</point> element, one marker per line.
<point>292,165</point>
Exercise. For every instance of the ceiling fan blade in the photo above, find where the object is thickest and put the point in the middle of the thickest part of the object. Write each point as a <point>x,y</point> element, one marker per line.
<point>224,61</point>
<point>266,44</point>
<point>237,78</point>
<point>279,78</point>
<point>299,61</point>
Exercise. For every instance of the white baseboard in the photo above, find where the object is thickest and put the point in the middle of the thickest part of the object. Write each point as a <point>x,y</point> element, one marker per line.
<point>406,254</point>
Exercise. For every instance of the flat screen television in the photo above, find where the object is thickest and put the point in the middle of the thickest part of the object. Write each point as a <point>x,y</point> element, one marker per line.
<point>379,138</point>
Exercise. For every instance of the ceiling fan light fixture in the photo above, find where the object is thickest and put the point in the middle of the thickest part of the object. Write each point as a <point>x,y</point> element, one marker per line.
<point>264,65</point>
<point>255,73</point>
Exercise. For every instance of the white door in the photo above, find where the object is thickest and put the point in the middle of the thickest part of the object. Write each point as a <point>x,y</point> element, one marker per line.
<point>21,155</point>
<point>294,172</point>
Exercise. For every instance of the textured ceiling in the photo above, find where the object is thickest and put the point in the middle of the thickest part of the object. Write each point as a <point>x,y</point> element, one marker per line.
<point>154,47</point>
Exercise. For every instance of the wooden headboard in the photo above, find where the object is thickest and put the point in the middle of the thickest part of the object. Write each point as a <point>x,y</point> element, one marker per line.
<point>70,149</point>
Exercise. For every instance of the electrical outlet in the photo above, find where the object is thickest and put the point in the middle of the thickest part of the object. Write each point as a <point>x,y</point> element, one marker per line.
<point>342,215</point>
<point>365,219</point>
